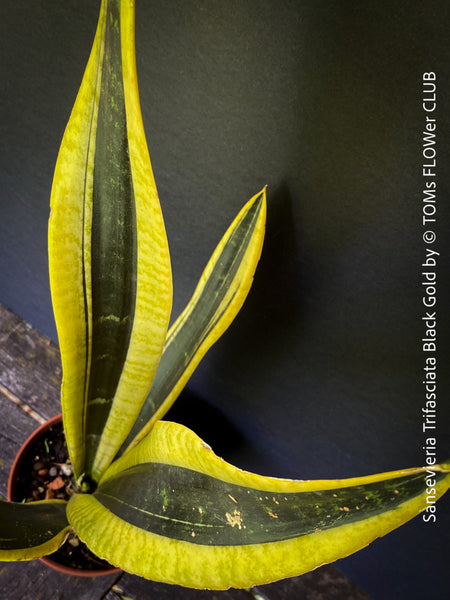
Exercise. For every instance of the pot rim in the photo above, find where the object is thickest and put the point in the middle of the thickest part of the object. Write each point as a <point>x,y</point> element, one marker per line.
<point>11,492</point>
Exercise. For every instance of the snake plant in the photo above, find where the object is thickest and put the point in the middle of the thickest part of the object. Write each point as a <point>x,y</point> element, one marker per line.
<point>153,498</point>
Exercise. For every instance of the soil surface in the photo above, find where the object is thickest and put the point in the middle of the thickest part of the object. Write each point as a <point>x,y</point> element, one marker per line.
<point>45,473</point>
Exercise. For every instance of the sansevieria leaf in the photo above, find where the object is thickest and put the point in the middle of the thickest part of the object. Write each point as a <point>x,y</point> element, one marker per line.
<point>203,523</point>
<point>219,295</point>
<point>28,531</point>
<point>109,261</point>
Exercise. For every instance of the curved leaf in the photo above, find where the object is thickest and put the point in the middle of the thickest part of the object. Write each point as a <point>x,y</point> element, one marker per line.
<point>219,295</point>
<point>109,261</point>
<point>201,522</point>
<point>29,531</point>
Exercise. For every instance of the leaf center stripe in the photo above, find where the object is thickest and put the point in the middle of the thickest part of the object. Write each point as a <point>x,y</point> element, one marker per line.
<point>121,503</point>
<point>114,244</point>
<point>86,218</point>
<point>187,505</point>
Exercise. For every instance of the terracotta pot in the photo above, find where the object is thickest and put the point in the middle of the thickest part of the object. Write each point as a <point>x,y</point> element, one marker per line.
<point>13,476</point>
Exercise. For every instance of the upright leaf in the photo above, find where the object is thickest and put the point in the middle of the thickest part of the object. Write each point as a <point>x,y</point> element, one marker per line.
<point>109,261</point>
<point>219,295</point>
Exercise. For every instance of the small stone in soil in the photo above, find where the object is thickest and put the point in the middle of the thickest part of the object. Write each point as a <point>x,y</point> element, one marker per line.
<point>53,472</point>
<point>56,484</point>
<point>67,470</point>
<point>74,542</point>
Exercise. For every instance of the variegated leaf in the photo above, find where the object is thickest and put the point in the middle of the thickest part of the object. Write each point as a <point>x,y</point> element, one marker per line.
<point>109,262</point>
<point>28,531</point>
<point>203,523</point>
<point>220,293</point>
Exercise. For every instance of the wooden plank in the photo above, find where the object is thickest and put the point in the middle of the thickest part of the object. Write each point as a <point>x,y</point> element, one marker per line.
<point>16,426</point>
<point>130,587</point>
<point>30,366</point>
<point>35,581</point>
<point>325,583</point>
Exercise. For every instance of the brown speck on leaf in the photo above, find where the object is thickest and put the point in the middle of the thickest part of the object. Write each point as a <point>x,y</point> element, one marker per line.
<point>234,519</point>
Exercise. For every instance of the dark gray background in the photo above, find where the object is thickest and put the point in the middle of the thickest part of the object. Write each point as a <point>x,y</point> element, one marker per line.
<point>320,375</point>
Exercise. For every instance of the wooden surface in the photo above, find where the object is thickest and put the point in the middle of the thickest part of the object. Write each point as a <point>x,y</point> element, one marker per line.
<point>30,374</point>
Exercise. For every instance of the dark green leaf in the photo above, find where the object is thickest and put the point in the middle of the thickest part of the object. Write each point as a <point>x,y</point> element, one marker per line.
<point>27,526</point>
<point>187,505</point>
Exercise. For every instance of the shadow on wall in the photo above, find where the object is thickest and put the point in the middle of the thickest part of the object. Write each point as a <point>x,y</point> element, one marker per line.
<point>254,348</point>
<point>209,423</point>
<point>279,303</point>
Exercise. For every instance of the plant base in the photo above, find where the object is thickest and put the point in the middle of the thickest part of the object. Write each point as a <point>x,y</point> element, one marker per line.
<point>41,471</point>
